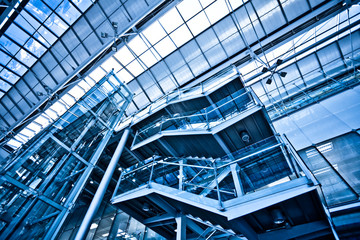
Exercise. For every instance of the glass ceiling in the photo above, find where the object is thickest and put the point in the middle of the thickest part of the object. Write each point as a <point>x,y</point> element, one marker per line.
<point>183,43</point>
<point>33,31</point>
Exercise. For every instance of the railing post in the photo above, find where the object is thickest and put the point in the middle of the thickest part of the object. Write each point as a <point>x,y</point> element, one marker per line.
<point>221,208</point>
<point>152,171</point>
<point>181,174</point>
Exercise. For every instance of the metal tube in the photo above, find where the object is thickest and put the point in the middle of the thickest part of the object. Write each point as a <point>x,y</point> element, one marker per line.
<point>100,192</point>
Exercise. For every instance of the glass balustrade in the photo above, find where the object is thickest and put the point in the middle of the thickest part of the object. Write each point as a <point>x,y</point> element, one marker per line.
<point>203,119</point>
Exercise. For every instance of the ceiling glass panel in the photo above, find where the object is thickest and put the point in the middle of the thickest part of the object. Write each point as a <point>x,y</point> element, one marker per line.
<point>111,63</point>
<point>35,47</point>
<point>135,68</point>
<point>18,35</point>
<point>25,57</point>
<point>4,86</point>
<point>16,67</point>
<point>45,36</point>
<point>148,58</point>
<point>38,9</point>
<point>216,11</point>
<point>124,55</point>
<point>198,24</point>
<point>4,58</point>
<point>188,8</point>
<point>27,22</point>
<point>8,45</point>
<point>181,35</point>
<point>68,12</point>
<point>171,20</point>
<point>164,47</point>
<point>82,4</point>
<point>124,76</point>
<point>56,25</point>
<point>9,76</point>
<point>137,45</point>
<point>154,32</point>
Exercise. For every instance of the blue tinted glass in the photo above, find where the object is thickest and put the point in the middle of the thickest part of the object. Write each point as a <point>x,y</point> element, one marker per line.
<point>56,24</point>
<point>17,67</point>
<point>27,22</point>
<point>68,12</point>
<point>17,34</point>
<point>8,45</point>
<point>1,94</point>
<point>82,4</point>
<point>4,58</point>
<point>25,58</point>
<point>4,86</point>
<point>53,3</point>
<point>35,47</point>
<point>45,36</point>
<point>9,76</point>
<point>38,9</point>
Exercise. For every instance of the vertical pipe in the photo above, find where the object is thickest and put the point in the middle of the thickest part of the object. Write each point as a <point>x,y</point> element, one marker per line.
<point>100,192</point>
<point>181,174</point>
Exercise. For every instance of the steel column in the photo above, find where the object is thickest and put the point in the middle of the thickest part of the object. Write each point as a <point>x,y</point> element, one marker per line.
<point>100,192</point>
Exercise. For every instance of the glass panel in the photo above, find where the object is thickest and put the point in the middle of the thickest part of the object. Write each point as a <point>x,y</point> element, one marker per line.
<point>16,67</point>
<point>189,8</point>
<point>25,58</point>
<point>4,58</point>
<point>38,9</point>
<point>4,86</point>
<point>124,55</point>
<point>181,35</point>
<point>137,45</point>
<point>165,46</point>
<point>124,76</point>
<point>135,68</point>
<point>198,24</point>
<point>17,34</point>
<point>216,11</point>
<point>171,20</point>
<point>82,4</point>
<point>154,33</point>
<point>57,25</point>
<point>8,45</point>
<point>45,36</point>
<point>35,47</point>
<point>148,58</point>
<point>68,12</point>
<point>27,22</point>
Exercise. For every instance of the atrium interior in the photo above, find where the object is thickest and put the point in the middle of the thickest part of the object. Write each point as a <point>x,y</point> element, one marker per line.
<point>179,119</point>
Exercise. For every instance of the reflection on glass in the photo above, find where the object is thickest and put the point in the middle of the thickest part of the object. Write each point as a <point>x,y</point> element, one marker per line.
<point>57,25</point>
<point>16,67</point>
<point>35,47</point>
<point>4,86</point>
<point>4,58</point>
<point>82,4</point>
<point>45,36</point>
<point>18,35</point>
<point>25,58</point>
<point>68,12</point>
<point>38,9</point>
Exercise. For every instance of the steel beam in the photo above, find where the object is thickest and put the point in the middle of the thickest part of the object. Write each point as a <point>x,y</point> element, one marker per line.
<point>100,192</point>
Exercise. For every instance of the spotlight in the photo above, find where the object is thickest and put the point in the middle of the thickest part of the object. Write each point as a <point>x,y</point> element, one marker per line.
<point>114,24</point>
<point>277,216</point>
<point>146,207</point>
<point>283,74</point>
<point>104,35</point>
<point>264,70</point>
<point>245,136</point>
<point>279,61</point>
<point>269,81</point>
<point>113,48</point>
